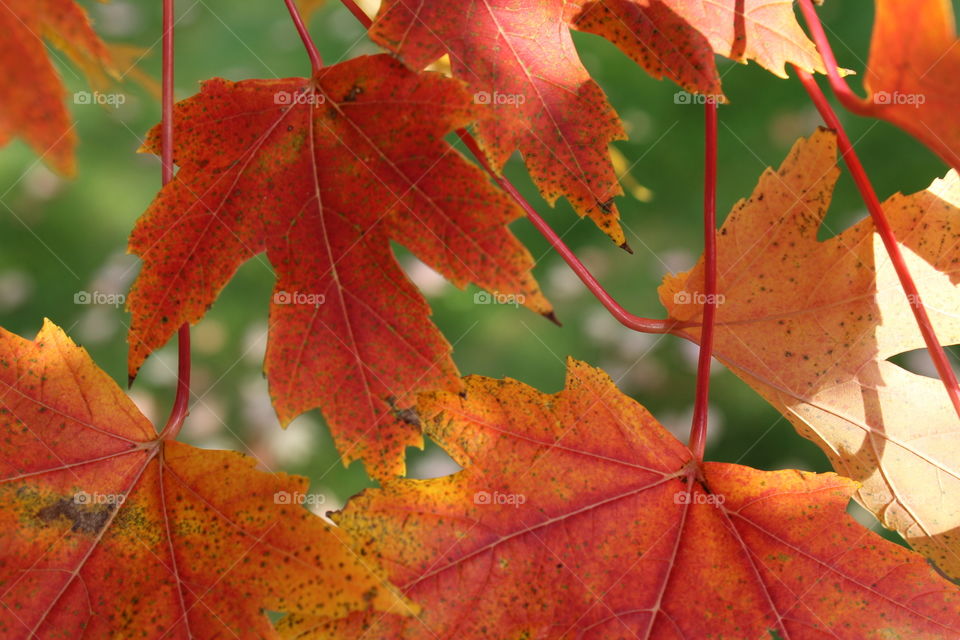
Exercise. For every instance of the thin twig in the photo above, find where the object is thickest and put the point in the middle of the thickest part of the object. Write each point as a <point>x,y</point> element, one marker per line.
<point>316,62</point>
<point>844,93</point>
<point>180,409</point>
<point>698,427</point>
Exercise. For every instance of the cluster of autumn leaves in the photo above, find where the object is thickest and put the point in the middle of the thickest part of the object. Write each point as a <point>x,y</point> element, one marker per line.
<point>576,513</point>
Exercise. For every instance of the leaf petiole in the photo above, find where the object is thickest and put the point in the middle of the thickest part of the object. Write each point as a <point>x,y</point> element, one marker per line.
<point>179,411</point>
<point>698,427</point>
<point>844,93</point>
<point>316,62</point>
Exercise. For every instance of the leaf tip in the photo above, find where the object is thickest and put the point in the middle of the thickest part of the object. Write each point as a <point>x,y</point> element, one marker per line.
<point>552,317</point>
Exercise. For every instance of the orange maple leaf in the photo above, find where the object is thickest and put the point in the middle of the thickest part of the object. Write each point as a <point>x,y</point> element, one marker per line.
<point>578,515</point>
<point>677,39</point>
<point>106,531</point>
<point>321,174</point>
<point>911,76</point>
<point>32,105</point>
<point>657,38</point>
<point>811,325</point>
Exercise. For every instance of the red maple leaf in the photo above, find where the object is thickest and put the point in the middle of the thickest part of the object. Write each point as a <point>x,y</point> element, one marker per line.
<point>321,174</point>
<point>107,531</point>
<point>577,515</point>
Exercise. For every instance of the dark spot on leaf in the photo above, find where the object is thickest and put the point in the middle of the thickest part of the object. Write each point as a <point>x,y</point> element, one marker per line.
<point>85,518</point>
<point>351,96</point>
<point>408,415</point>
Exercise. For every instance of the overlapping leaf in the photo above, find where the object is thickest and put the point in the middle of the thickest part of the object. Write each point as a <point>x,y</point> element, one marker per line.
<point>811,325</point>
<point>107,532</point>
<point>33,94</point>
<point>519,59</point>
<point>678,38</point>
<point>911,76</point>
<point>578,515</point>
<point>321,174</point>
<point>765,31</point>
<point>657,38</point>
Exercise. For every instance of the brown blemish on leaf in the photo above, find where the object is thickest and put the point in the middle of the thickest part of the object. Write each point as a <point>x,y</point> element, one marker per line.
<point>84,518</point>
<point>406,414</point>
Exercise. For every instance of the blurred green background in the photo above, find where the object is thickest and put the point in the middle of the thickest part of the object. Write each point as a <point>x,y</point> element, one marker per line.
<point>61,237</point>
